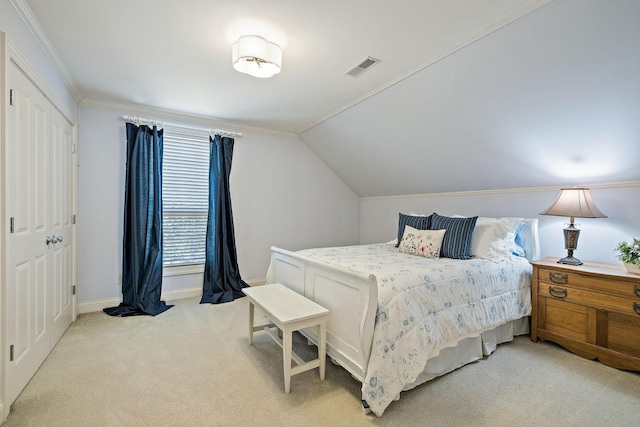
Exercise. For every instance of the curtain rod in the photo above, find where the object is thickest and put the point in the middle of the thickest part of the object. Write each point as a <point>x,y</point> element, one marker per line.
<point>156,122</point>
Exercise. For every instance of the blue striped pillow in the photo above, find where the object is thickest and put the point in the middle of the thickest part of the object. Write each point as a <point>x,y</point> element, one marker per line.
<point>415,221</point>
<point>457,238</point>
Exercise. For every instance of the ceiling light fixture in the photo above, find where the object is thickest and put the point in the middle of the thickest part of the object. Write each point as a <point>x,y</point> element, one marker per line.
<point>256,56</point>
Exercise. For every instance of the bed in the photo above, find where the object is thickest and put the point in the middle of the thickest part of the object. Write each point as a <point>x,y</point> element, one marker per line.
<point>398,320</point>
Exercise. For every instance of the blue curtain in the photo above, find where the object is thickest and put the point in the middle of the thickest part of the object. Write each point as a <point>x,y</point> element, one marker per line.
<point>142,245</point>
<point>222,282</point>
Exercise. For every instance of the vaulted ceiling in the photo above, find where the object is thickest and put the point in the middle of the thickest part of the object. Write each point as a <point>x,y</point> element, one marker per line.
<point>552,99</point>
<point>467,95</point>
<point>176,55</point>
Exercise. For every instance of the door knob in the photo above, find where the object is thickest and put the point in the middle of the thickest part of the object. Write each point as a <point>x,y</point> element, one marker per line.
<point>53,239</point>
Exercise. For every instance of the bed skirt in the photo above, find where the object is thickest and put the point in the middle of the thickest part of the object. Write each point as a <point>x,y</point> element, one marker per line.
<point>469,350</point>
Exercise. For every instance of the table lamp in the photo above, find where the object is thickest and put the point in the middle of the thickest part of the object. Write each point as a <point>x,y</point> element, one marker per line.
<point>574,202</point>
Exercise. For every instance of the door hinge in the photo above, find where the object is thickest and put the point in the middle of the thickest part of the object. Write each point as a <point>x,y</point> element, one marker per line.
<point>10,96</point>
<point>73,290</point>
<point>11,353</point>
<point>73,147</point>
<point>73,219</point>
<point>11,225</point>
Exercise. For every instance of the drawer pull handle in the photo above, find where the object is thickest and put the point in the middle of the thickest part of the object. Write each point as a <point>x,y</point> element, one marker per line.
<point>636,307</point>
<point>558,292</point>
<point>636,290</point>
<point>558,278</point>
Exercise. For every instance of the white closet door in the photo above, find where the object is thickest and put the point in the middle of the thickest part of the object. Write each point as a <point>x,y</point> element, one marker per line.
<point>39,199</point>
<point>61,225</point>
<point>28,203</point>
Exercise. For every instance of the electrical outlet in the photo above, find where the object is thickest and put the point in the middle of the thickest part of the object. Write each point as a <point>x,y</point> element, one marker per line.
<point>120,279</point>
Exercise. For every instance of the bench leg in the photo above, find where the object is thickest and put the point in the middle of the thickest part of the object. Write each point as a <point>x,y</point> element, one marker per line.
<point>286,349</point>
<point>250,323</point>
<point>322,347</point>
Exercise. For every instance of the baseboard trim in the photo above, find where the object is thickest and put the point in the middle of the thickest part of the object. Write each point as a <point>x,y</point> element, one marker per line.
<point>99,305</point>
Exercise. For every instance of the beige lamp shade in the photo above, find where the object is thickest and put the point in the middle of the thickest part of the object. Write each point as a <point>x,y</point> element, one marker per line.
<point>574,202</point>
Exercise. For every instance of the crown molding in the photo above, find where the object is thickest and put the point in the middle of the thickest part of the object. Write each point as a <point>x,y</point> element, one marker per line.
<point>137,109</point>
<point>23,65</point>
<point>38,33</point>
<point>607,186</point>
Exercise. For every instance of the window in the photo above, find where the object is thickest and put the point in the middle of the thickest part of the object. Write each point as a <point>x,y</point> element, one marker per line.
<point>185,198</point>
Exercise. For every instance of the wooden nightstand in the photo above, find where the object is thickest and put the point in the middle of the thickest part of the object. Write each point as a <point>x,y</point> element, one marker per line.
<point>592,310</point>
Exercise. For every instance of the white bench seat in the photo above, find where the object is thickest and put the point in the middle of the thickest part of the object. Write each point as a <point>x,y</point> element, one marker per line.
<point>289,312</point>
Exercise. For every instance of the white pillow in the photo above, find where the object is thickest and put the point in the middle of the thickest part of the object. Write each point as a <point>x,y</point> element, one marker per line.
<point>494,238</point>
<point>424,243</point>
<point>517,225</point>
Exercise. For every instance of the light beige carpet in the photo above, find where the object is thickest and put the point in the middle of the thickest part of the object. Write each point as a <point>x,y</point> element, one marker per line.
<point>192,366</point>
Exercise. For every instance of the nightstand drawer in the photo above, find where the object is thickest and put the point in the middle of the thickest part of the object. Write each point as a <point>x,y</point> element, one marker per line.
<point>590,299</point>
<point>625,289</point>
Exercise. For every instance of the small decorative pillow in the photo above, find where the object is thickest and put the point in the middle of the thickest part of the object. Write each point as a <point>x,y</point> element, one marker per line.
<point>424,243</point>
<point>420,222</point>
<point>457,240</point>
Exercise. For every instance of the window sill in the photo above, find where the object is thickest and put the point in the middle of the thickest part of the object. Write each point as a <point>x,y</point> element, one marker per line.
<point>183,270</point>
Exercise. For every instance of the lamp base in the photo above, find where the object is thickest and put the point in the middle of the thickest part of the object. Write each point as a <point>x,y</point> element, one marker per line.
<point>571,234</point>
<point>570,260</point>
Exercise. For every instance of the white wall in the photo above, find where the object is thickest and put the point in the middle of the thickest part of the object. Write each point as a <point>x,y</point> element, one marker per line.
<point>282,195</point>
<point>621,203</point>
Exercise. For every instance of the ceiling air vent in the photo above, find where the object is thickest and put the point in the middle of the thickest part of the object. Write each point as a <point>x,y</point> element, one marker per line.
<point>361,66</point>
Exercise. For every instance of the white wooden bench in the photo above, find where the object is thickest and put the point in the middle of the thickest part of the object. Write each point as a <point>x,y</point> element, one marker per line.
<point>289,311</point>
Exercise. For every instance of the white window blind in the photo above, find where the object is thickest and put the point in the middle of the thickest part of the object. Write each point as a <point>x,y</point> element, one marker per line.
<point>185,191</point>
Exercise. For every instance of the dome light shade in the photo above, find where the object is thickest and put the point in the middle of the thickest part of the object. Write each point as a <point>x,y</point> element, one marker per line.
<point>256,56</point>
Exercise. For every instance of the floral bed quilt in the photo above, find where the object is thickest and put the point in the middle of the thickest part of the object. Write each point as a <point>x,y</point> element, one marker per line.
<point>426,305</point>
